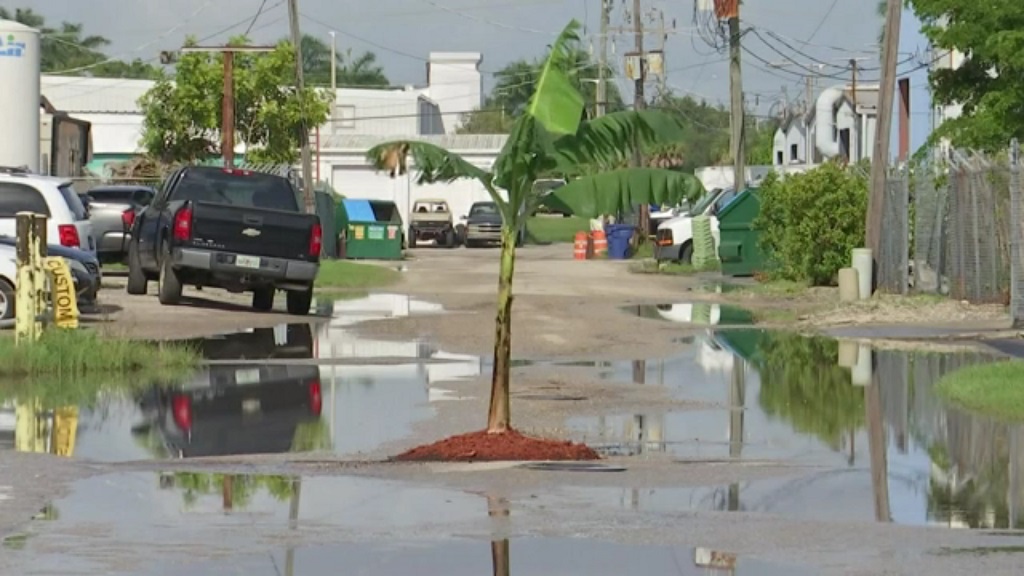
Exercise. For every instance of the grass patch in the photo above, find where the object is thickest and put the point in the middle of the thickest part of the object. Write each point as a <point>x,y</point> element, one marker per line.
<point>652,266</point>
<point>992,388</point>
<point>74,353</point>
<point>344,275</point>
<point>554,229</point>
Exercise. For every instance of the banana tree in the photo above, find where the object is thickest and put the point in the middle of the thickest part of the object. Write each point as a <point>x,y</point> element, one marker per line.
<point>550,140</point>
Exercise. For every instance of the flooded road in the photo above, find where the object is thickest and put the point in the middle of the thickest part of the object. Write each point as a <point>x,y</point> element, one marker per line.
<point>872,442</point>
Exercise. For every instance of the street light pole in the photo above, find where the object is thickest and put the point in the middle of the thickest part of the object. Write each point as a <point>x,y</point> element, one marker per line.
<point>334,65</point>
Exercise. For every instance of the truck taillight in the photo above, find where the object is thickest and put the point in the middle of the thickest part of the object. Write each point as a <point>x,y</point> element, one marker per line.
<point>69,236</point>
<point>183,224</point>
<point>181,411</point>
<point>316,240</point>
<point>128,219</point>
<point>316,400</point>
<point>237,172</point>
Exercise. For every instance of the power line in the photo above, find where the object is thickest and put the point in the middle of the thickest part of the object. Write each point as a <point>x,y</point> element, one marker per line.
<point>263,4</point>
<point>823,20</point>
<point>120,57</point>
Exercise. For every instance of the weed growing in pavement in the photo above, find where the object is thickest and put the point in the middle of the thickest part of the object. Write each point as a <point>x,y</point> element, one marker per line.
<point>341,275</point>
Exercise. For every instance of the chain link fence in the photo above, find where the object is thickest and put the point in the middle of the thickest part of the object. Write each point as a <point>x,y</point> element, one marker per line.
<point>894,250</point>
<point>1016,237</point>
<point>960,209</point>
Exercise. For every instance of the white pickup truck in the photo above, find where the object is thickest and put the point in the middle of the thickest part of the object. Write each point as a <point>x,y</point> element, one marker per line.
<point>674,240</point>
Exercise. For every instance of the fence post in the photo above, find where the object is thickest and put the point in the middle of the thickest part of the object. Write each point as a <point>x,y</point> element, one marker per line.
<point>30,296</point>
<point>1016,232</point>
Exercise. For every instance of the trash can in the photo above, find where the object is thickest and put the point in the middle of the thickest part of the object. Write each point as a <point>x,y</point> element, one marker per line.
<point>739,248</point>
<point>372,229</point>
<point>619,236</point>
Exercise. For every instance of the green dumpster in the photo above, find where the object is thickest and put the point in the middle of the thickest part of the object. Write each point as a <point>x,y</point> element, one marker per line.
<point>326,209</point>
<point>371,229</point>
<point>738,247</point>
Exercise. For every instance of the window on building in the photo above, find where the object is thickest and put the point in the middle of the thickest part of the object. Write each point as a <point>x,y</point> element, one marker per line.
<point>344,117</point>
<point>779,157</point>
<point>794,153</point>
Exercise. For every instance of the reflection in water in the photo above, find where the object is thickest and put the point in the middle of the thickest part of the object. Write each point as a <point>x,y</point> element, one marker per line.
<point>900,454</point>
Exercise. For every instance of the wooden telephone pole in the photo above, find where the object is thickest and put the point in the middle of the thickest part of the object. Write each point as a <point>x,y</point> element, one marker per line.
<point>880,157</point>
<point>602,86</point>
<point>736,112</point>
<point>306,153</point>
<point>227,121</point>
<point>639,103</point>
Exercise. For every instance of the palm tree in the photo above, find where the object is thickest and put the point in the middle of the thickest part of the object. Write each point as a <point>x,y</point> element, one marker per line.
<point>361,70</point>
<point>550,139</point>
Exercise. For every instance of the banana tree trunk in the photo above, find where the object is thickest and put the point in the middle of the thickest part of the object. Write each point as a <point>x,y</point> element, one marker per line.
<point>499,414</point>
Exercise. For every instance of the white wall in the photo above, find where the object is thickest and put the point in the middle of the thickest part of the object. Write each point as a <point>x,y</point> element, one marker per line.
<point>351,176</point>
<point>455,84</point>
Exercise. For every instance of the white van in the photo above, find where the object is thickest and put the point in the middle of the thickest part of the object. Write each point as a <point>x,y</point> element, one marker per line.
<point>674,241</point>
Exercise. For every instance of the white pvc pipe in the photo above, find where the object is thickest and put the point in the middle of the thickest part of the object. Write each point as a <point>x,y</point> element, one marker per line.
<point>825,133</point>
<point>862,262</point>
<point>860,375</point>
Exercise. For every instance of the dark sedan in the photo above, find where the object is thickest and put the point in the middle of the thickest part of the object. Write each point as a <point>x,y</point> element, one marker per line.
<point>87,278</point>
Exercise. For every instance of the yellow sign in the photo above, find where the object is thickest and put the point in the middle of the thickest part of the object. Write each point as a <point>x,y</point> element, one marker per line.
<point>63,297</point>
<point>65,428</point>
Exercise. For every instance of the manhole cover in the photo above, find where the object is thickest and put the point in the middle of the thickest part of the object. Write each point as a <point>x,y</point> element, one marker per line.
<point>572,467</point>
<point>552,397</point>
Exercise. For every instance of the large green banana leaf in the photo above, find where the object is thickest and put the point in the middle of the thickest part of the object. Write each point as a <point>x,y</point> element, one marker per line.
<point>431,163</point>
<point>621,190</point>
<point>556,103</point>
<point>607,141</point>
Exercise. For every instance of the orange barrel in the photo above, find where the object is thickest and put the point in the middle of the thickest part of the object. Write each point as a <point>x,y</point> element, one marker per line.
<point>600,243</point>
<point>579,246</point>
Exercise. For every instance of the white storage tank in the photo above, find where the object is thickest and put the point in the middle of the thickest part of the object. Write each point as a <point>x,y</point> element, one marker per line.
<point>19,95</point>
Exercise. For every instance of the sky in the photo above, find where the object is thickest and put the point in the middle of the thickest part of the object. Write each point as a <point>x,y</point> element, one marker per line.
<point>403,32</point>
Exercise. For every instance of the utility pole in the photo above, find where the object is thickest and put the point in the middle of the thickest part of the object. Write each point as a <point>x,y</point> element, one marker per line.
<point>880,158</point>
<point>334,66</point>
<point>643,225</point>
<point>602,88</point>
<point>307,157</point>
<point>736,101</point>
<point>227,105</point>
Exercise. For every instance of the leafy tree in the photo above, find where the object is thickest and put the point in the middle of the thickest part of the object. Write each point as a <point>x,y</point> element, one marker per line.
<point>549,139</point>
<point>66,48</point>
<point>810,222</point>
<point>515,84</point>
<point>990,82</point>
<point>361,70</point>
<point>183,113</point>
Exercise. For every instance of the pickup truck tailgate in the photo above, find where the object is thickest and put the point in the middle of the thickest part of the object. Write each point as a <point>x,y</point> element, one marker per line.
<point>242,230</point>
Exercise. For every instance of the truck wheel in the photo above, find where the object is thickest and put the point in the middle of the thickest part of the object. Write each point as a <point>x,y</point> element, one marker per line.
<point>168,284</point>
<point>137,283</point>
<point>263,299</point>
<point>299,301</point>
<point>7,296</point>
<point>449,239</point>
<point>412,238</point>
<point>686,253</point>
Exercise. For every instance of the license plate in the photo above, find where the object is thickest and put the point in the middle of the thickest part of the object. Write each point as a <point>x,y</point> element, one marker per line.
<point>247,376</point>
<point>247,261</point>
<point>250,405</point>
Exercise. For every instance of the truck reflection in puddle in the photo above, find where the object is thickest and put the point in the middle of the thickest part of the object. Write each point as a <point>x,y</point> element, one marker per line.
<point>235,409</point>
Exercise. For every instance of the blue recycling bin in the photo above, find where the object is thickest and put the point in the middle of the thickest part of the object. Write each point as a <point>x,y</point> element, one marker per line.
<point>619,236</point>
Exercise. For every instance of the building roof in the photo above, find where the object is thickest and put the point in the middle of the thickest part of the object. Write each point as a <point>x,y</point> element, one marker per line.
<point>83,94</point>
<point>485,143</point>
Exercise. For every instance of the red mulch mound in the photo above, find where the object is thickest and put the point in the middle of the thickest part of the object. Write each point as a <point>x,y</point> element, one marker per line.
<point>511,445</point>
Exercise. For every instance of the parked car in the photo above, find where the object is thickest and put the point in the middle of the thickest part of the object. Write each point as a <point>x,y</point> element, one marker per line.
<point>431,219</point>
<point>112,211</point>
<point>226,228</point>
<point>87,282</point>
<point>674,241</point>
<point>67,225</point>
<point>483,225</point>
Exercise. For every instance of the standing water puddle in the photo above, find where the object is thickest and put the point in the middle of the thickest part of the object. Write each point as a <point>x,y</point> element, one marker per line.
<point>786,397</point>
<point>204,524</point>
<point>694,313</point>
<point>258,396</point>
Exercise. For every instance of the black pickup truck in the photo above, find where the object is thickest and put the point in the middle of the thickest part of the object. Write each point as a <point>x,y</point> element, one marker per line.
<point>226,228</point>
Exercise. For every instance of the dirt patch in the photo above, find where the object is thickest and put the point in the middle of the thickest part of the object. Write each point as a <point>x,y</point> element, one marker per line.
<point>507,446</point>
<point>886,309</point>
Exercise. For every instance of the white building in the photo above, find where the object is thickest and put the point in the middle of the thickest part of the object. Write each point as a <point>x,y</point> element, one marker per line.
<point>841,125</point>
<point>361,118</point>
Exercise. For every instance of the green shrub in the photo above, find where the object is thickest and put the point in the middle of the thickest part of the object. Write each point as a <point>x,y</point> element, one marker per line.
<point>810,222</point>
